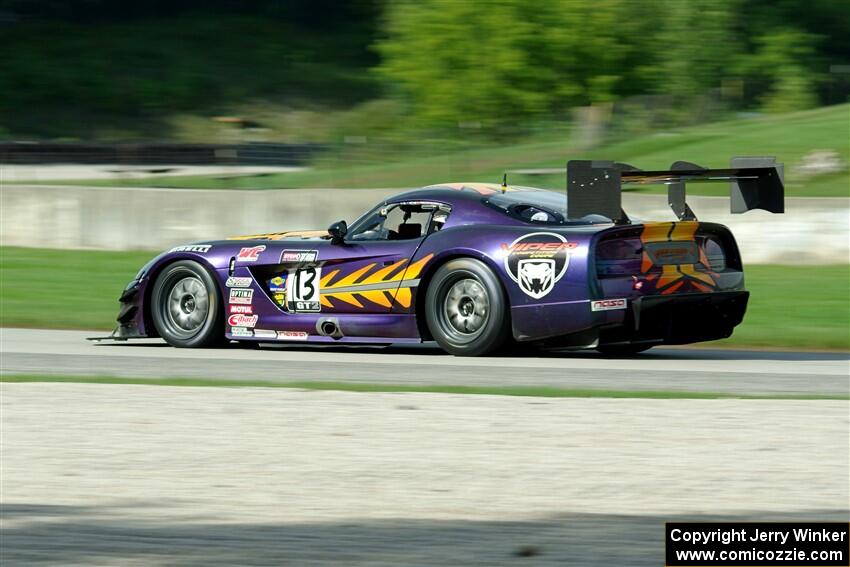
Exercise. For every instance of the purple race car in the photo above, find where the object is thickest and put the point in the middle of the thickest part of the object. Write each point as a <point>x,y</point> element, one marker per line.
<point>470,266</point>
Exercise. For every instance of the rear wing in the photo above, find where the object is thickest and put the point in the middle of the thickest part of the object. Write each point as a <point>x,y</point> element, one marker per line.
<point>595,187</point>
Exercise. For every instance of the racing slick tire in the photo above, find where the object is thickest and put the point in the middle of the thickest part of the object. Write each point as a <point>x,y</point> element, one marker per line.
<point>186,306</point>
<point>622,350</point>
<point>466,308</point>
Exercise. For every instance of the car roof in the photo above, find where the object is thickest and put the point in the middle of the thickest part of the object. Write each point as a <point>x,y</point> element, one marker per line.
<point>458,191</point>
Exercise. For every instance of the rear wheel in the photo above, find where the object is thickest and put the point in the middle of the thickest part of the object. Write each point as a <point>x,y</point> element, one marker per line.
<point>466,308</point>
<point>186,306</point>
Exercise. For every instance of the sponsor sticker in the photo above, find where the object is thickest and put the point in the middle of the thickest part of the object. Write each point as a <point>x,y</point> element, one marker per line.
<point>536,261</point>
<point>241,296</point>
<point>299,256</point>
<point>608,304</point>
<point>245,309</point>
<point>292,335</point>
<point>265,333</point>
<point>303,293</point>
<point>240,320</point>
<point>251,254</point>
<point>241,332</point>
<point>197,248</point>
<point>234,281</point>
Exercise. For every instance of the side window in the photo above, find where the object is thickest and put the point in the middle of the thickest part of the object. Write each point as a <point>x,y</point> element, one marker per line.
<point>406,221</point>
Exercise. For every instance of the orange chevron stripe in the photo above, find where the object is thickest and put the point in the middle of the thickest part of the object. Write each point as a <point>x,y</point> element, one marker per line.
<point>379,276</point>
<point>669,274</point>
<point>655,231</point>
<point>413,270</point>
<point>690,270</point>
<point>328,277</point>
<point>403,297</point>
<point>351,278</point>
<point>347,298</point>
<point>376,296</point>
<point>684,230</point>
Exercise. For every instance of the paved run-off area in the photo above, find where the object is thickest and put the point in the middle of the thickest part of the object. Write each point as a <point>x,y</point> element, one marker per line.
<point>139,474</point>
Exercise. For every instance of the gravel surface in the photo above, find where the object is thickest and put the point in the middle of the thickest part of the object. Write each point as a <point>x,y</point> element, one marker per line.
<point>132,474</point>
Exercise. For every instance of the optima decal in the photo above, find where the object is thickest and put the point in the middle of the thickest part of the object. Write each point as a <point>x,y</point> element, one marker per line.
<point>242,296</point>
<point>251,254</point>
<point>537,261</point>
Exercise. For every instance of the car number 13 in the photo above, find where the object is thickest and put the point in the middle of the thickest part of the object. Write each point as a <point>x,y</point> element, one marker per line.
<point>303,289</point>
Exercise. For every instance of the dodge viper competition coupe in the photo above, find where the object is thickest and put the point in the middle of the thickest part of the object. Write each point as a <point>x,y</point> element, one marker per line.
<point>471,266</point>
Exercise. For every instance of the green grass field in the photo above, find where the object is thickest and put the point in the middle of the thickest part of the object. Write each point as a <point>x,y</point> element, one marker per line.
<point>789,137</point>
<point>522,391</point>
<point>790,307</point>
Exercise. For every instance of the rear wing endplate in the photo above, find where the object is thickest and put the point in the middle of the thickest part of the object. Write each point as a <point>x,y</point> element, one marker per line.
<point>595,187</point>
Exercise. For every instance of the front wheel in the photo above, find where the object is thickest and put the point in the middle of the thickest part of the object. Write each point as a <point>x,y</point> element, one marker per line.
<point>466,308</point>
<point>186,306</point>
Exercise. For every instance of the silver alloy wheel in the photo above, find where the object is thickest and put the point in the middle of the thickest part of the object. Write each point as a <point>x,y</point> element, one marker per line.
<point>466,307</point>
<point>187,306</point>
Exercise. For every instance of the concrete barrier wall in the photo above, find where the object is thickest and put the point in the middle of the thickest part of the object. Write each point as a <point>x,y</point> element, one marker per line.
<point>813,230</point>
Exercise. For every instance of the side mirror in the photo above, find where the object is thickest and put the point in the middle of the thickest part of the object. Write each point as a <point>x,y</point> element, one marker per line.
<point>338,230</point>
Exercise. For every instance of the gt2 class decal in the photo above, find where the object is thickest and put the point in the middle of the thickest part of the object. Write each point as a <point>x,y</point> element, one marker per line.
<point>198,248</point>
<point>537,261</point>
<point>241,296</point>
<point>240,320</point>
<point>306,256</point>
<point>607,304</point>
<point>302,290</point>
<point>244,309</point>
<point>250,254</point>
<point>234,281</point>
<point>265,334</point>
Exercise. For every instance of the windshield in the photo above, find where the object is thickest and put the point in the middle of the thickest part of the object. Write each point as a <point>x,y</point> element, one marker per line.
<point>538,207</point>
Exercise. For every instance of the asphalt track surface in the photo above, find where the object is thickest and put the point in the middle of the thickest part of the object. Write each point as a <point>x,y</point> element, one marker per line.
<point>33,351</point>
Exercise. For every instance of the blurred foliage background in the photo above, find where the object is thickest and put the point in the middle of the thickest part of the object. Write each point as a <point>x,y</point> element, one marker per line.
<point>326,71</point>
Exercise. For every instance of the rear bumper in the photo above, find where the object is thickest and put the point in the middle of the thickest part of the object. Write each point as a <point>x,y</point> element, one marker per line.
<point>678,319</point>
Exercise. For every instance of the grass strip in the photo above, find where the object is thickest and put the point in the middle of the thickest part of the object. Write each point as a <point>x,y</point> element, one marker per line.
<point>521,391</point>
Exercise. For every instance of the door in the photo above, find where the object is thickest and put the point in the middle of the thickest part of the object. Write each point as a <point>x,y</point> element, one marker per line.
<point>364,274</point>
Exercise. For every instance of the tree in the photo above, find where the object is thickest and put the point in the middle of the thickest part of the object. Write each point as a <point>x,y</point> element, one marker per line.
<point>507,61</point>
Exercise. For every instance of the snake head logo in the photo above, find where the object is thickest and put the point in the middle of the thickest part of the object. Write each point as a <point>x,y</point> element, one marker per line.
<point>536,277</point>
<point>537,261</point>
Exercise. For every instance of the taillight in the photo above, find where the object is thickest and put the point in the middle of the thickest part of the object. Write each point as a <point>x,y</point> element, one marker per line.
<point>715,254</point>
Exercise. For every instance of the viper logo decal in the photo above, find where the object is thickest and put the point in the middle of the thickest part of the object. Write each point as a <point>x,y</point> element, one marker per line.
<point>537,261</point>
